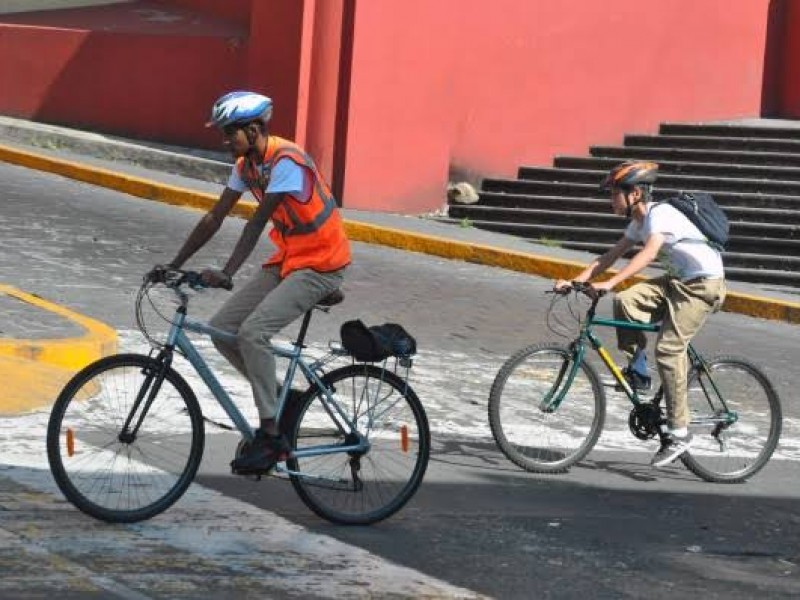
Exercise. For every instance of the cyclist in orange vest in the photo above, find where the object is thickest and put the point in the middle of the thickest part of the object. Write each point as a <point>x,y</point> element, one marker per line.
<point>311,253</point>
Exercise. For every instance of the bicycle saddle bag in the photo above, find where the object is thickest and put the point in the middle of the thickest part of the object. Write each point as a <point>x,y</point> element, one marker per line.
<point>376,343</point>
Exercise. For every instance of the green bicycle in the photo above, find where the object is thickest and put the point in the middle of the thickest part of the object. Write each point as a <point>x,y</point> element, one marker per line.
<point>547,407</point>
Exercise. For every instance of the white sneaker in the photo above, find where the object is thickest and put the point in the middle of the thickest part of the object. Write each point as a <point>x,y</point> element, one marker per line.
<point>671,448</point>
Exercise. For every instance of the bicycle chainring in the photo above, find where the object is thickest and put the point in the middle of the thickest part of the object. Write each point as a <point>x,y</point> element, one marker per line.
<point>645,421</point>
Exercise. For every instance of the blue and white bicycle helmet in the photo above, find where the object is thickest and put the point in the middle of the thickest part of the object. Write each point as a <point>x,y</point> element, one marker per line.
<point>239,108</point>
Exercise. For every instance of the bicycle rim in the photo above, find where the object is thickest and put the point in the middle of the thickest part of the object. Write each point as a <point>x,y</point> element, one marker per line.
<point>537,434</point>
<point>744,447</point>
<point>120,481</point>
<point>354,488</point>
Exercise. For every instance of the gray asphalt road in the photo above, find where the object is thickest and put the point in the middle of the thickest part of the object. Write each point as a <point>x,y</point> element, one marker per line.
<point>611,528</point>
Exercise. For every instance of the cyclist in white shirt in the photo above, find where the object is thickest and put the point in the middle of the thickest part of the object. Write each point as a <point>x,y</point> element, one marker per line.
<point>682,299</point>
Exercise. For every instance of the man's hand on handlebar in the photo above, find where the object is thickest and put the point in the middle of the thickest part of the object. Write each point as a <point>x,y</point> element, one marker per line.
<point>158,274</point>
<point>216,278</point>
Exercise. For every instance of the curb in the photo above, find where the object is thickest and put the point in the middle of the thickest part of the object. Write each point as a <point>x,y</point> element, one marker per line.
<point>746,304</point>
<point>49,363</point>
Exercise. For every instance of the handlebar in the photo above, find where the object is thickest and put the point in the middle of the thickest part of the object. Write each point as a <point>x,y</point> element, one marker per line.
<point>580,287</point>
<point>174,278</point>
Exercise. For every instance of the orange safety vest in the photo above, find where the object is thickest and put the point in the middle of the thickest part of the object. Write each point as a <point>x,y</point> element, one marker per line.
<point>307,235</point>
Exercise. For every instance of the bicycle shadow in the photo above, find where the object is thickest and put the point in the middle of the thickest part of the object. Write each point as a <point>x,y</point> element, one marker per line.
<point>483,455</point>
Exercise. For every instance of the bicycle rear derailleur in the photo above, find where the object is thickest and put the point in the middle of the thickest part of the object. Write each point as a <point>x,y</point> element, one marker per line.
<point>645,420</point>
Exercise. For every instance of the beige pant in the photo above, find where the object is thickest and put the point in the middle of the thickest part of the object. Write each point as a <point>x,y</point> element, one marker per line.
<point>260,309</point>
<point>682,307</point>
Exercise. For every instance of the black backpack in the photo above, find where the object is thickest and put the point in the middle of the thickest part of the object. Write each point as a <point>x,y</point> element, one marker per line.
<point>701,209</point>
<point>376,343</point>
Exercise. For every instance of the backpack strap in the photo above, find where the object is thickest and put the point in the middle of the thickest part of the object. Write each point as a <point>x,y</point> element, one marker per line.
<point>688,240</point>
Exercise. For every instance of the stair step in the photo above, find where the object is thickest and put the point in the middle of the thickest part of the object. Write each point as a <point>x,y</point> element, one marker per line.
<point>775,277</point>
<point>728,201</point>
<point>752,171</point>
<point>588,190</point>
<point>743,238</point>
<point>692,155</point>
<point>715,143</point>
<point>679,182</point>
<point>732,260</point>
<point>730,130</point>
<point>547,206</point>
<point>673,167</point>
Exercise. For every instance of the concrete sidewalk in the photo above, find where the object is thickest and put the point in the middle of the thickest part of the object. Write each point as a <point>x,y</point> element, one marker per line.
<point>193,178</point>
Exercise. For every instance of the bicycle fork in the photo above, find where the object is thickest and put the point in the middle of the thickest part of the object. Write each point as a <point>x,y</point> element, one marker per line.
<point>154,377</point>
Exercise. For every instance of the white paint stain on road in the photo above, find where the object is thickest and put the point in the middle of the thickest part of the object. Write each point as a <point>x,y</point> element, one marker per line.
<point>205,531</point>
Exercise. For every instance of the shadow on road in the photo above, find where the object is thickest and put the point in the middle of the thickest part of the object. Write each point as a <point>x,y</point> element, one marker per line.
<point>610,528</point>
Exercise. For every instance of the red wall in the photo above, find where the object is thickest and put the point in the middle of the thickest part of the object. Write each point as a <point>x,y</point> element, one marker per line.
<point>237,10</point>
<point>273,59</point>
<point>435,90</point>
<point>120,69</point>
<point>786,95</point>
<point>319,115</point>
<point>456,85</point>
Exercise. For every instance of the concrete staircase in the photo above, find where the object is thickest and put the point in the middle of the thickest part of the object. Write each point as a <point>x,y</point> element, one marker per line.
<point>753,171</point>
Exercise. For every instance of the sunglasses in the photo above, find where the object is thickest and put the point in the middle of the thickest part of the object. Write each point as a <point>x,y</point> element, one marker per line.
<point>231,129</point>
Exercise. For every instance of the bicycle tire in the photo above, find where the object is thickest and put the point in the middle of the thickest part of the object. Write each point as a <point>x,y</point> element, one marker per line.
<point>514,409</point>
<point>751,440</point>
<point>396,426</point>
<point>83,444</point>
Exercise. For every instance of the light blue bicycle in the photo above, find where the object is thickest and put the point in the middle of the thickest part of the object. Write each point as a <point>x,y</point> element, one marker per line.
<point>126,435</point>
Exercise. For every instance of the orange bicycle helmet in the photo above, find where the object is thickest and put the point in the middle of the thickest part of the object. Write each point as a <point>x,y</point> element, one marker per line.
<point>629,174</point>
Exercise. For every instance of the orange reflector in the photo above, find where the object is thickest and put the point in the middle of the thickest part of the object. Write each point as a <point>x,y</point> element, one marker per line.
<point>404,438</point>
<point>70,442</point>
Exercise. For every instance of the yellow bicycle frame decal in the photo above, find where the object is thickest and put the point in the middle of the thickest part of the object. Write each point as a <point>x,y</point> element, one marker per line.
<point>614,369</point>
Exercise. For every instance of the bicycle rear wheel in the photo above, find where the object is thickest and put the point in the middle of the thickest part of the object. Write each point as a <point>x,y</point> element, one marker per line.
<point>104,474</point>
<point>528,428</point>
<point>360,487</point>
<point>728,446</point>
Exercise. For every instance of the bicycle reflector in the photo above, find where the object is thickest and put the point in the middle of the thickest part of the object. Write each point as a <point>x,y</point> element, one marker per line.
<point>404,437</point>
<point>70,442</point>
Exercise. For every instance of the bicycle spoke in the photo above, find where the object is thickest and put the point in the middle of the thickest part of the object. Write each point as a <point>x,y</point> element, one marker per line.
<point>116,478</point>
<point>735,420</point>
<point>541,420</point>
<point>391,421</point>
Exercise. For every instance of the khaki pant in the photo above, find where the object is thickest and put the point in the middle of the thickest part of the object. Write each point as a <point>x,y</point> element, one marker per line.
<point>260,309</point>
<point>682,307</point>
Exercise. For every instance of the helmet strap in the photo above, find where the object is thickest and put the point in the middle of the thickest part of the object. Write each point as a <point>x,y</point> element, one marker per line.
<point>630,205</point>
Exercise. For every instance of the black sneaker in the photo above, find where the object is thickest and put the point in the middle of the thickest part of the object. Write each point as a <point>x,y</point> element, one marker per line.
<point>637,381</point>
<point>261,455</point>
<point>671,448</point>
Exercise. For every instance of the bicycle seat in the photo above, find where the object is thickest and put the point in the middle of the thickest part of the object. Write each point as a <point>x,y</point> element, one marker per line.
<point>332,299</point>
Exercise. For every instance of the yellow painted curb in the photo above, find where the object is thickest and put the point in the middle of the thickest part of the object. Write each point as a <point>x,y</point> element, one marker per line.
<point>545,266</point>
<point>54,358</point>
<point>135,186</point>
<point>474,253</point>
<point>29,384</point>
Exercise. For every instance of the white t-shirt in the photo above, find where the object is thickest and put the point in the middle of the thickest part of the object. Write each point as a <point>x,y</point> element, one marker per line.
<point>684,253</point>
<point>287,177</point>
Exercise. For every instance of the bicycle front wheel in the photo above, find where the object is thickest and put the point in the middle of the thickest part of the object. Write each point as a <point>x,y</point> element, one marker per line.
<point>360,487</point>
<point>113,476</point>
<point>531,427</point>
<point>735,421</point>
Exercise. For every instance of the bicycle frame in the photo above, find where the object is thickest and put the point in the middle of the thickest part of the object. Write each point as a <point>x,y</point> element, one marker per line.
<point>578,349</point>
<point>177,338</point>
